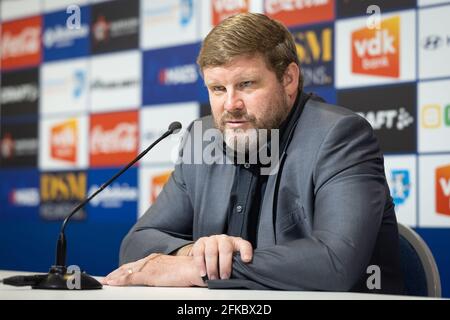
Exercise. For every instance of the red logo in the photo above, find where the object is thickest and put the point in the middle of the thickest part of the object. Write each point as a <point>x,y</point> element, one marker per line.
<point>443,190</point>
<point>222,9</point>
<point>113,138</point>
<point>21,43</point>
<point>299,12</point>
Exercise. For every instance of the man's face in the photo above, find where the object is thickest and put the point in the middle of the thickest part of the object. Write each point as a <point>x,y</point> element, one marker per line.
<point>245,96</point>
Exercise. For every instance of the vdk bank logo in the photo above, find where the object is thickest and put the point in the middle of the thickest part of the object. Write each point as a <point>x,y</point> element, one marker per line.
<point>63,141</point>
<point>443,190</point>
<point>376,52</point>
<point>157,183</point>
<point>434,116</point>
<point>401,185</point>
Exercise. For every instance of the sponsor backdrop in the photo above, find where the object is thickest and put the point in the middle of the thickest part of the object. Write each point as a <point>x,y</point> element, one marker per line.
<point>86,85</point>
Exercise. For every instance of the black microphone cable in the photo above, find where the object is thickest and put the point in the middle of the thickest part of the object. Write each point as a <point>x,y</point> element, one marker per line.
<point>22,281</point>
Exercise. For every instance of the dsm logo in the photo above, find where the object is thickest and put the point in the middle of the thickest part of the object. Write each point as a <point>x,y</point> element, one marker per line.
<point>315,52</point>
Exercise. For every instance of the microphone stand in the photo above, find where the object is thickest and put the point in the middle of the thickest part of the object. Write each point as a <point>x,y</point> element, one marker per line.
<point>57,277</point>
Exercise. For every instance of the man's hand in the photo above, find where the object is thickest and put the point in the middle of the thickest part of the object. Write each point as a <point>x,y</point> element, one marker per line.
<point>214,255</point>
<point>184,251</point>
<point>157,270</point>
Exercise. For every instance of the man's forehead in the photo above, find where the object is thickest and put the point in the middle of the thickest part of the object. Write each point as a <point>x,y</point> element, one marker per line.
<point>238,67</point>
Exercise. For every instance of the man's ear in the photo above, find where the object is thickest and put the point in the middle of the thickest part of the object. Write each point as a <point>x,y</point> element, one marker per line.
<point>291,78</point>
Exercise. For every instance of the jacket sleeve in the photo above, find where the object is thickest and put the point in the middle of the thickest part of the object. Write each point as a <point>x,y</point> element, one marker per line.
<point>166,225</point>
<point>350,195</point>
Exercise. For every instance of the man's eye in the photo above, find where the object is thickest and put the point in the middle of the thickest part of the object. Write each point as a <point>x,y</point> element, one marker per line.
<point>218,88</point>
<point>246,84</point>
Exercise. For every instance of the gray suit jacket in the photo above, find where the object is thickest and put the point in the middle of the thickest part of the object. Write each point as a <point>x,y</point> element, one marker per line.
<point>326,215</point>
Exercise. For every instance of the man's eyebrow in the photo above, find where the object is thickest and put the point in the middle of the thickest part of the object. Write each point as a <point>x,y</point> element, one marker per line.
<point>238,78</point>
<point>211,82</point>
<point>252,74</point>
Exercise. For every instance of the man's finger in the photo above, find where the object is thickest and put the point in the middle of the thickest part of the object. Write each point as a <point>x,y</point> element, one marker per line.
<point>225,258</point>
<point>119,272</point>
<point>211,258</point>
<point>139,278</point>
<point>119,281</point>
<point>245,248</point>
<point>199,256</point>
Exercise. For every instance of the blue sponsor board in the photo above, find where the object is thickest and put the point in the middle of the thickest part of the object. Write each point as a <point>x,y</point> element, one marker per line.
<point>19,194</point>
<point>66,36</point>
<point>171,75</point>
<point>326,93</point>
<point>116,203</point>
<point>315,49</point>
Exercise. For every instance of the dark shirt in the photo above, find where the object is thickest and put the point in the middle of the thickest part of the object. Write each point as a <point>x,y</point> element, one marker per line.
<point>249,185</point>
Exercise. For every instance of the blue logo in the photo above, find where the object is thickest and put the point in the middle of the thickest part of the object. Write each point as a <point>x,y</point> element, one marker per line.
<point>171,75</point>
<point>401,186</point>
<point>79,80</point>
<point>117,202</point>
<point>60,42</point>
<point>186,12</point>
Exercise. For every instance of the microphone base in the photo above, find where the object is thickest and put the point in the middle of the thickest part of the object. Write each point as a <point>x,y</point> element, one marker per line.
<point>58,279</point>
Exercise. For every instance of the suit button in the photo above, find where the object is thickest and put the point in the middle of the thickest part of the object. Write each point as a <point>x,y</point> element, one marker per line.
<point>247,165</point>
<point>239,209</point>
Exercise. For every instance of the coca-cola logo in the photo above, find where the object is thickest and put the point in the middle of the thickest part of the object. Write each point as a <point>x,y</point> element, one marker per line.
<point>27,42</point>
<point>276,6</point>
<point>122,138</point>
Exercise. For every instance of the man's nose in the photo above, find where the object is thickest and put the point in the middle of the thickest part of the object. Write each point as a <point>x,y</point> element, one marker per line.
<point>233,101</point>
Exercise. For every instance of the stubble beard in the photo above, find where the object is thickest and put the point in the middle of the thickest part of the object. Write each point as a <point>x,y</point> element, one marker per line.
<point>245,141</point>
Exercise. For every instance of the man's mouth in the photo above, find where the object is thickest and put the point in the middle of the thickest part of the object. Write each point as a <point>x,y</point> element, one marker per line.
<point>236,123</point>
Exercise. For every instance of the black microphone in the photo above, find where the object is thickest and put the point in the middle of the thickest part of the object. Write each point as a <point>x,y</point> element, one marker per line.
<point>57,278</point>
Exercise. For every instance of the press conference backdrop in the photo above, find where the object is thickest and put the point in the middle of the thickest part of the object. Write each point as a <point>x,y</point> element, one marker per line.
<point>86,85</point>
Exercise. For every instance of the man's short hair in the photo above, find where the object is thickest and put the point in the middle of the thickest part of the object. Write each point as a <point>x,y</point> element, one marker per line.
<point>250,34</point>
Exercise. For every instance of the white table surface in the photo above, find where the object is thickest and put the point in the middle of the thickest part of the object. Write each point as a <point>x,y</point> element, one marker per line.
<point>163,293</point>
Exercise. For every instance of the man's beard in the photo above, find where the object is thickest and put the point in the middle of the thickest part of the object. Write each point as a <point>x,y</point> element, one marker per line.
<point>251,140</point>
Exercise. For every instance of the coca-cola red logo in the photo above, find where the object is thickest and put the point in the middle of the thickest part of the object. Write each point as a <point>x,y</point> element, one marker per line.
<point>21,43</point>
<point>113,138</point>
